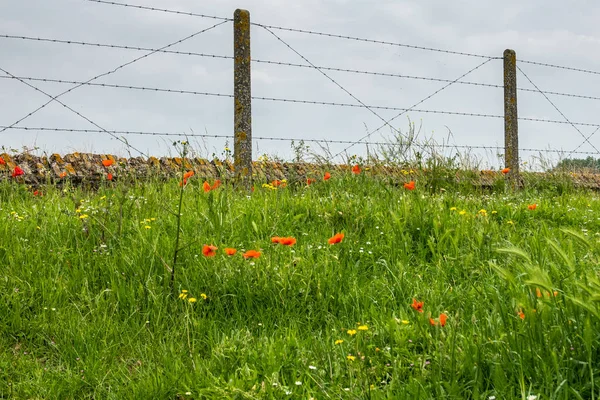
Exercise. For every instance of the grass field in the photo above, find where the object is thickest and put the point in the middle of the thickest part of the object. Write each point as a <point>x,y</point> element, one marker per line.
<point>87,309</point>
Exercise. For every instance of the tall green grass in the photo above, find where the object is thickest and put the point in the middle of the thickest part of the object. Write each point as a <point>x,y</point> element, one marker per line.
<point>86,309</point>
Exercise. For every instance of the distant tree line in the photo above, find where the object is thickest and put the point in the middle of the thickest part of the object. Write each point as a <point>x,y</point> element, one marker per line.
<point>579,163</point>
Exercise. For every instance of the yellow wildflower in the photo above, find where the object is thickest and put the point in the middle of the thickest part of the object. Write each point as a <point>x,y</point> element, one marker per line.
<point>462,212</point>
<point>339,341</point>
<point>351,357</point>
<point>204,296</point>
<point>351,332</point>
<point>363,328</point>
<point>192,299</point>
<point>83,216</point>
<point>405,322</point>
<point>453,208</point>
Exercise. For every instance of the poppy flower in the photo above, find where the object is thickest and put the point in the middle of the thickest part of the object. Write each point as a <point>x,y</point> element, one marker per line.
<point>410,185</point>
<point>2,162</point>
<point>276,183</point>
<point>521,314</point>
<point>532,206</point>
<point>206,187</point>
<point>417,305</point>
<point>107,163</point>
<point>209,250</point>
<point>63,174</point>
<point>337,238</point>
<point>506,171</point>
<point>327,176</point>
<point>215,185</point>
<point>432,322</point>
<point>288,241</point>
<point>309,181</point>
<point>109,177</point>
<point>251,254</point>
<point>356,169</point>
<point>230,251</point>
<point>443,319</point>
<point>276,239</point>
<point>538,292</point>
<point>17,172</point>
<point>188,174</point>
<point>183,183</point>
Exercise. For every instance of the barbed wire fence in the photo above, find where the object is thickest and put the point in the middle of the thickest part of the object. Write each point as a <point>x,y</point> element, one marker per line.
<point>510,151</point>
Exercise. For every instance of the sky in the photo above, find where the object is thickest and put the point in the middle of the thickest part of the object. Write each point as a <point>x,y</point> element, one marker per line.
<point>545,31</point>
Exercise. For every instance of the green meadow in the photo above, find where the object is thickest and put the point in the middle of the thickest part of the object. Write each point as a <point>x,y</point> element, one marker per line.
<point>444,291</point>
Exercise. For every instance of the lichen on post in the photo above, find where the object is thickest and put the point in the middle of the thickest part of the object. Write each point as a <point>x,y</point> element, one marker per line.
<point>511,122</point>
<point>242,149</point>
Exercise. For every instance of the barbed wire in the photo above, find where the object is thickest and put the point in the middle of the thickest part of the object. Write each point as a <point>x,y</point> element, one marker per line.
<point>587,139</point>
<point>190,14</point>
<point>282,63</point>
<point>331,79</point>
<point>560,112</point>
<point>343,36</point>
<point>287,139</point>
<point>74,111</point>
<point>298,101</point>
<point>114,46</point>
<point>113,71</point>
<point>587,71</point>
<point>414,105</point>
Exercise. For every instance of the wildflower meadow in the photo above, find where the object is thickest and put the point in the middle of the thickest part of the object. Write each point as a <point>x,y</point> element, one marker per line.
<point>339,285</point>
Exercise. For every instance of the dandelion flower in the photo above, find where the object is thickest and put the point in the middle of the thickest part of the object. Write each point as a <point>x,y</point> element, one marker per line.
<point>204,296</point>
<point>363,328</point>
<point>192,300</point>
<point>339,341</point>
<point>350,357</point>
<point>351,332</point>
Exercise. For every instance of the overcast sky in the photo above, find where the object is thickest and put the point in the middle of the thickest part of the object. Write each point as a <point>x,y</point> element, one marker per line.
<point>547,31</point>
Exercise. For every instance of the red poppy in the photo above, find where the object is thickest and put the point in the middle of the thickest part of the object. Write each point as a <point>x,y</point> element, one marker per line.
<point>443,318</point>
<point>230,251</point>
<point>107,163</point>
<point>417,305</point>
<point>188,174</point>
<point>532,206</point>
<point>410,185</point>
<point>506,171</point>
<point>206,187</point>
<point>109,177</point>
<point>521,314</point>
<point>17,172</point>
<point>356,169</point>
<point>216,184</point>
<point>2,162</point>
<point>337,238</point>
<point>327,176</point>
<point>63,174</point>
<point>432,321</point>
<point>288,241</point>
<point>37,193</point>
<point>309,181</point>
<point>183,183</point>
<point>276,183</point>
<point>538,292</point>
<point>209,250</point>
<point>276,239</point>
<point>251,254</point>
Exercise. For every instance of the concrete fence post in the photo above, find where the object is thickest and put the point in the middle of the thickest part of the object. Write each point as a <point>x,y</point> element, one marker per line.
<point>511,122</point>
<point>242,120</point>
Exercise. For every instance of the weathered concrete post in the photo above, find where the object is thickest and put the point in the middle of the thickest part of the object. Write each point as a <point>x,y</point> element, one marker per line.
<point>242,120</point>
<point>511,122</point>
